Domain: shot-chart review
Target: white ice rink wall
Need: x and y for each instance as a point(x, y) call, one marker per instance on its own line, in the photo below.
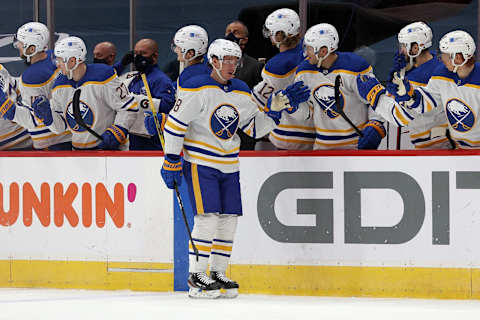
point(372, 223)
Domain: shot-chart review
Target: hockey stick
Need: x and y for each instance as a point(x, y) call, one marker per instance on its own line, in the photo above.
point(449, 137)
point(339, 106)
point(78, 115)
point(162, 141)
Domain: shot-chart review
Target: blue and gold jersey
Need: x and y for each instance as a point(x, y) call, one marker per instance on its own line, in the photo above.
point(37, 80)
point(330, 130)
point(104, 101)
point(205, 119)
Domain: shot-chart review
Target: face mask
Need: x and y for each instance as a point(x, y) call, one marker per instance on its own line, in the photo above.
point(232, 38)
point(142, 63)
point(96, 60)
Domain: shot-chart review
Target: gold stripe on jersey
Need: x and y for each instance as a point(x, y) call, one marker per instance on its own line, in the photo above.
point(14, 143)
point(403, 120)
point(208, 159)
point(171, 125)
point(369, 69)
point(346, 143)
point(61, 86)
point(88, 144)
point(197, 192)
point(442, 78)
point(50, 136)
point(12, 133)
point(53, 76)
point(212, 147)
point(100, 82)
point(286, 75)
point(351, 130)
point(307, 141)
point(430, 143)
point(418, 84)
point(287, 126)
point(213, 87)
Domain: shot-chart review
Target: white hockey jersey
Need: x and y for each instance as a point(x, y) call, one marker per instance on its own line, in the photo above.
point(12, 136)
point(205, 119)
point(294, 132)
point(331, 130)
point(459, 99)
point(37, 80)
point(104, 101)
point(427, 130)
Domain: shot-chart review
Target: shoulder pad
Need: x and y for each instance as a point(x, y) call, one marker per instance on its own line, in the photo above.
point(351, 62)
point(98, 72)
point(240, 85)
point(284, 62)
point(305, 65)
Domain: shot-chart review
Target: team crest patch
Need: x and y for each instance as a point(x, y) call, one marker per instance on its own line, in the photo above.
point(224, 121)
point(87, 116)
point(460, 115)
point(324, 95)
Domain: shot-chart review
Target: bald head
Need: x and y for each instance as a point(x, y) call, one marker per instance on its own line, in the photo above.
point(105, 52)
point(147, 48)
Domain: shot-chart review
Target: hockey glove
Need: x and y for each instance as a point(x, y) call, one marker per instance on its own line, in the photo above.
point(150, 122)
point(287, 99)
point(373, 133)
point(404, 92)
point(7, 108)
point(41, 109)
point(399, 63)
point(113, 137)
point(172, 170)
point(370, 89)
point(127, 58)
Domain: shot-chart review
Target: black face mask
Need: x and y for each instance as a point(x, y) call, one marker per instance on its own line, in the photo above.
point(232, 38)
point(142, 63)
point(96, 60)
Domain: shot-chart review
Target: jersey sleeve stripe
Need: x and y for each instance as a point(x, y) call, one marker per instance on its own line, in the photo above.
point(128, 102)
point(209, 153)
point(62, 86)
point(174, 133)
point(212, 147)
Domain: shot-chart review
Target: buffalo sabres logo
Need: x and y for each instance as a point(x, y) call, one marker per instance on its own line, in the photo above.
point(86, 113)
point(224, 121)
point(460, 116)
point(324, 95)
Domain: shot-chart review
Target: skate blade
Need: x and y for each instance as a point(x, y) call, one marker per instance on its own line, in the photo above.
point(229, 293)
point(196, 293)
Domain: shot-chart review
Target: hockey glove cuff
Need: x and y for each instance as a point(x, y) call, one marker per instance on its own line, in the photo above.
point(7, 109)
point(370, 89)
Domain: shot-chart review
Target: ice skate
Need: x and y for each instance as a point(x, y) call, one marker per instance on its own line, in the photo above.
point(229, 287)
point(202, 287)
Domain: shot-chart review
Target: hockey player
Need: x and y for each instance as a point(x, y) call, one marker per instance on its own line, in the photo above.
point(190, 43)
point(204, 121)
point(452, 87)
point(163, 94)
point(31, 40)
point(12, 136)
point(414, 60)
point(282, 27)
point(319, 72)
point(106, 106)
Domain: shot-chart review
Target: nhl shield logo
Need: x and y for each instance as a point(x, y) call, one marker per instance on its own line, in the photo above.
point(460, 115)
point(324, 95)
point(87, 116)
point(224, 121)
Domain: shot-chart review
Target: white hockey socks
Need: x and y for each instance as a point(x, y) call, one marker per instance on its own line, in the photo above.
point(223, 242)
point(203, 231)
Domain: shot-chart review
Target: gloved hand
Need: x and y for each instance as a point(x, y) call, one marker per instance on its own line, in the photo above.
point(127, 58)
point(370, 89)
point(296, 94)
point(142, 63)
point(150, 122)
point(41, 109)
point(373, 133)
point(172, 170)
point(113, 137)
point(399, 63)
point(7, 106)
